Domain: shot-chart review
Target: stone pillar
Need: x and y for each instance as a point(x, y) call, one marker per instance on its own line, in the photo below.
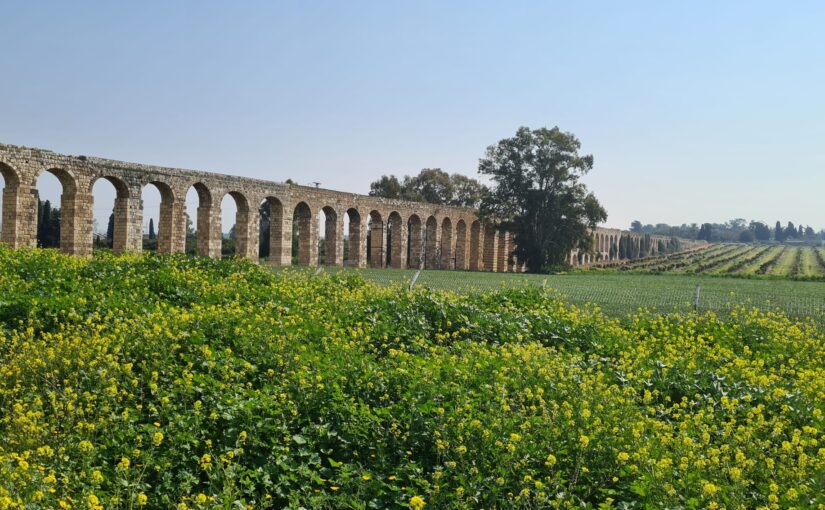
point(307, 240)
point(476, 248)
point(460, 246)
point(172, 227)
point(128, 223)
point(398, 255)
point(76, 224)
point(490, 248)
point(334, 238)
point(280, 237)
point(432, 246)
point(357, 242)
point(27, 204)
point(14, 225)
point(447, 245)
point(247, 225)
point(416, 243)
point(377, 244)
point(209, 231)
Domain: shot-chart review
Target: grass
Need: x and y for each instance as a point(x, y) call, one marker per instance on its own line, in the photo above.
point(623, 293)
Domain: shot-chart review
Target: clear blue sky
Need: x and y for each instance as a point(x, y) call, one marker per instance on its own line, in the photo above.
point(694, 111)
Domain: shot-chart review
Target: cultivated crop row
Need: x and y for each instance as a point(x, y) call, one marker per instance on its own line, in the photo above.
point(798, 262)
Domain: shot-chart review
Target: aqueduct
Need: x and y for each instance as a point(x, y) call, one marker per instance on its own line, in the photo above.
point(401, 234)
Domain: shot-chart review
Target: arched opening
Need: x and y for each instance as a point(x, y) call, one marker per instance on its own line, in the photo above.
point(352, 248)
point(48, 211)
point(271, 231)
point(10, 184)
point(110, 210)
point(460, 245)
point(431, 243)
point(396, 241)
point(415, 242)
point(199, 222)
point(475, 246)
point(375, 240)
point(329, 245)
point(446, 244)
point(235, 240)
point(302, 241)
point(157, 198)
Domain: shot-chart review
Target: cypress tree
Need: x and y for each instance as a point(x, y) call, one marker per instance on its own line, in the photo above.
point(152, 234)
point(43, 220)
point(790, 231)
point(110, 228)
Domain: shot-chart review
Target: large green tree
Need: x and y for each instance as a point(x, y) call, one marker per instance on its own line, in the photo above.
point(388, 186)
point(537, 194)
point(431, 185)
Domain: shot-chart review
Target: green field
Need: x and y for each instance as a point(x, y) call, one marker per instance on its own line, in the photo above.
point(739, 260)
point(621, 293)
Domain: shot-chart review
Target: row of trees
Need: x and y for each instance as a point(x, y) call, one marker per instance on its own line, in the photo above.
point(736, 230)
point(431, 185)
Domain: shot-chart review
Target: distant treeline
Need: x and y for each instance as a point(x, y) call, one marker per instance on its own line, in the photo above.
point(737, 230)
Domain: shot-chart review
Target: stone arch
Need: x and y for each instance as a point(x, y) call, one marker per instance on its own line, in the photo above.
point(246, 244)
point(123, 215)
point(431, 254)
point(70, 217)
point(305, 250)
point(461, 245)
point(375, 241)
point(357, 243)
point(168, 237)
point(415, 242)
point(273, 247)
point(9, 175)
point(396, 241)
point(332, 232)
point(446, 244)
point(476, 264)
point(10, 226)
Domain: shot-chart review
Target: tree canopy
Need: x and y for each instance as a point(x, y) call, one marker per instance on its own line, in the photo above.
point(431, 185)
point(537, 194)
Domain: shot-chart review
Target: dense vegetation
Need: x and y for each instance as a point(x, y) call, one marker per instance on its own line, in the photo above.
point(162, 381)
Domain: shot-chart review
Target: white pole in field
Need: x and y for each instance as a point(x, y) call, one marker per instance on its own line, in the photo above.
point(415, 278)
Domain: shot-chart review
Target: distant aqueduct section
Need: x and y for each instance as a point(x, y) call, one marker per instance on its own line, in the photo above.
point(402, 234)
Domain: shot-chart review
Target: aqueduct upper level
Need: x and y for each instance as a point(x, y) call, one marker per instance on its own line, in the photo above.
point(401, 234)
